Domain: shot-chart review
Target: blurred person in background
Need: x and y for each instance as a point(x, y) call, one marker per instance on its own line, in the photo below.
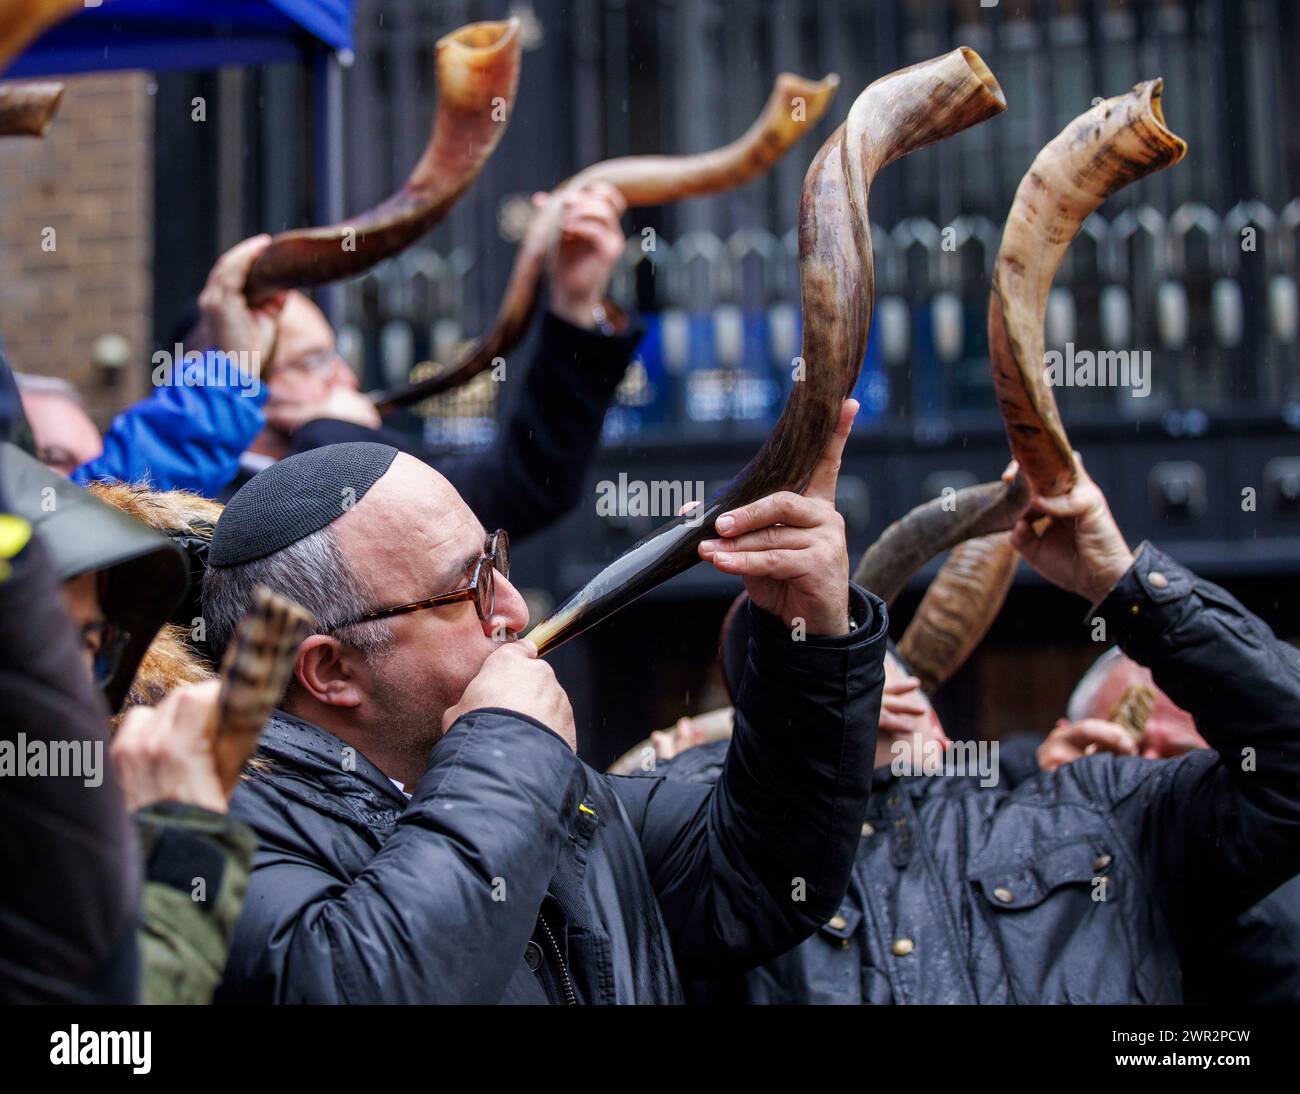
point(184, 435)
point(534, 471)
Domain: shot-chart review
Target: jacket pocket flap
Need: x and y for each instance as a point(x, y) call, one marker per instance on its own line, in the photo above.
point(1022, 885)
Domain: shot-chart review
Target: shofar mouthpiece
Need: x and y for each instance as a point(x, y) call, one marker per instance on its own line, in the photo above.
point(26, 110)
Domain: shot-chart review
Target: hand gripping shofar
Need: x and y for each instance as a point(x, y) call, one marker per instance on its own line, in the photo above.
point(254, 673)
point(793, 109)
point(478, 73)
point(897, 114)
point(1117, 142)
point(26, 110)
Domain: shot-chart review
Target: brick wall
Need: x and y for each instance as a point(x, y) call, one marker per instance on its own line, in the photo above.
point(91, 180)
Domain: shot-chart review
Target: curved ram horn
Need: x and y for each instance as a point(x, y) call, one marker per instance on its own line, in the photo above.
point(794, 107)
point(26, 110)
point(897, 114)
point(958, 608)
point(478, 72)
point(1117, 142)
point(23, 20)
point(934, 527)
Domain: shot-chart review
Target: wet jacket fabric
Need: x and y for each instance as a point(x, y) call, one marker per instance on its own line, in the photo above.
point(1096, 883)
point(183, 437)
point(534, 473)
point(518, 874)
point(196, 874)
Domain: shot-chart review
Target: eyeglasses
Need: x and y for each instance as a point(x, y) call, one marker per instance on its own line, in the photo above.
point(481, 589)
point(106, 642)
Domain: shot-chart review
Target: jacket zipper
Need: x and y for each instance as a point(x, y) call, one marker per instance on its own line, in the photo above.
point(570, 998)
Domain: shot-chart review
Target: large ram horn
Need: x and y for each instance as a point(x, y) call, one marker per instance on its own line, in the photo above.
point(897, 114)
point(794, 107)
point(934, 527)
point(1117, 142)
point(26, 110)
point(958, 608)
point(478, 72)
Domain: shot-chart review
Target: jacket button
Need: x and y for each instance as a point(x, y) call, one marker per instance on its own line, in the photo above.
point(868, 829)
point(1157, 580)
point(1004, 894)
point(901, 947)
point(1101, 862)
point(533, 956)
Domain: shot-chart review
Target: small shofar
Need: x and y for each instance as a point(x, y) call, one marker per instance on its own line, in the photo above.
point(1117, 142)
point(478, 74)
point(794, 107)
point(26, 110)
point(254, 674)
point(897, 114)
point(1134, 709)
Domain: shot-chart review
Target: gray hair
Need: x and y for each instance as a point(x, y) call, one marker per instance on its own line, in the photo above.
point(315, 573)
point(1085, 691)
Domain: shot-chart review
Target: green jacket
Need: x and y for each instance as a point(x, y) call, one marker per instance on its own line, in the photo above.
point(196, 867)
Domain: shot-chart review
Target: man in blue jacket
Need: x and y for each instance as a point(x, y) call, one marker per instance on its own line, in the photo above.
point(202, 414)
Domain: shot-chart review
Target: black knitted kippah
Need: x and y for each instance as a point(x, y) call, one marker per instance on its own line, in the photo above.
point(294, 498)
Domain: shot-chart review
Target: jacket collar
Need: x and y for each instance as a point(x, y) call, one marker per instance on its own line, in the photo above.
point(340, 769)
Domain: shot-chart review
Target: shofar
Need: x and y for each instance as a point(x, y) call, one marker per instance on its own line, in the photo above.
point(26, 110)
point(1117, 142)
point(959, 607)
point(478, 73)
point(23, 20)
point(793, 108)
point(254, 674)
point(934, 527)
point(897, 114)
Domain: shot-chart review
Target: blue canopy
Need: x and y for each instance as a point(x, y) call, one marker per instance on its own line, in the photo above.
point(171, 34)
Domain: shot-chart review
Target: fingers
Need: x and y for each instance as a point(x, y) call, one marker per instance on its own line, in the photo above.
point(599, 194)
point(778, 565)
point(1102, 735)
point(783, 507)
point(826, 471)
point(231, 269)
point(899, 704)
point(897, 687)
point(775, 537)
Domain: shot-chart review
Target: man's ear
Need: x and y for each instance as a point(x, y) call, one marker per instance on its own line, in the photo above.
point(325, 669)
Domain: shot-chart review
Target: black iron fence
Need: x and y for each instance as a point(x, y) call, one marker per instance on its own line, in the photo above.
point(1193, 271)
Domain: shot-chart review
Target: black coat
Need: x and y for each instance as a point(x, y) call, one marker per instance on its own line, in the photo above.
point(518, 874)
point(1095, 883)
point(534, 472)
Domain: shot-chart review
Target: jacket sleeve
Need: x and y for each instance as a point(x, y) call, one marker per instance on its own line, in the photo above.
point(443, 911)
point(184, 436)
point(196, 875)
point(1218, 829)
point(749, 868)
point(67, 848)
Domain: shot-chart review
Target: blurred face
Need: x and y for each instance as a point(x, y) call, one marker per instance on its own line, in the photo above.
point(1170, 730)
point(412, 537)
point(81, 596)
point(65, 436)
point(307, 364)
